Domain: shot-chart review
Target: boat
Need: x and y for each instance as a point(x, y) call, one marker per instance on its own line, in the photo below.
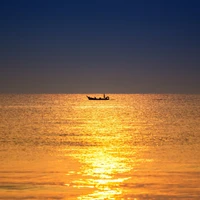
point(100, 98)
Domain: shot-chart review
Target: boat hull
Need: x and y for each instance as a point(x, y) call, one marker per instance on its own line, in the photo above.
point(94, 98)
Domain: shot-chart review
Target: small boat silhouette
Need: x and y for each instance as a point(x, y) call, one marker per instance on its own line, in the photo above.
point(100, 98)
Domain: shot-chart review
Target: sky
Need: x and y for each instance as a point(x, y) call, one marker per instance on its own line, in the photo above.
point(99, 46)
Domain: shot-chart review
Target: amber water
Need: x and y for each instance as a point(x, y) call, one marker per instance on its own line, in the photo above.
point(130, 147)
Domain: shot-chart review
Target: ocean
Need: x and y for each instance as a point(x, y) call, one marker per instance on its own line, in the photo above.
point(134, 146)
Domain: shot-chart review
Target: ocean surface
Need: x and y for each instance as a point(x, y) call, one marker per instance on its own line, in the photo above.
point(130, 147)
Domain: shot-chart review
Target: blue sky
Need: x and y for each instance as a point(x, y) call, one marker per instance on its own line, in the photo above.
point(100, 46)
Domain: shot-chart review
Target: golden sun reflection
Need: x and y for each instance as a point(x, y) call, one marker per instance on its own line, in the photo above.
point(104, 154)
point(101, 171)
